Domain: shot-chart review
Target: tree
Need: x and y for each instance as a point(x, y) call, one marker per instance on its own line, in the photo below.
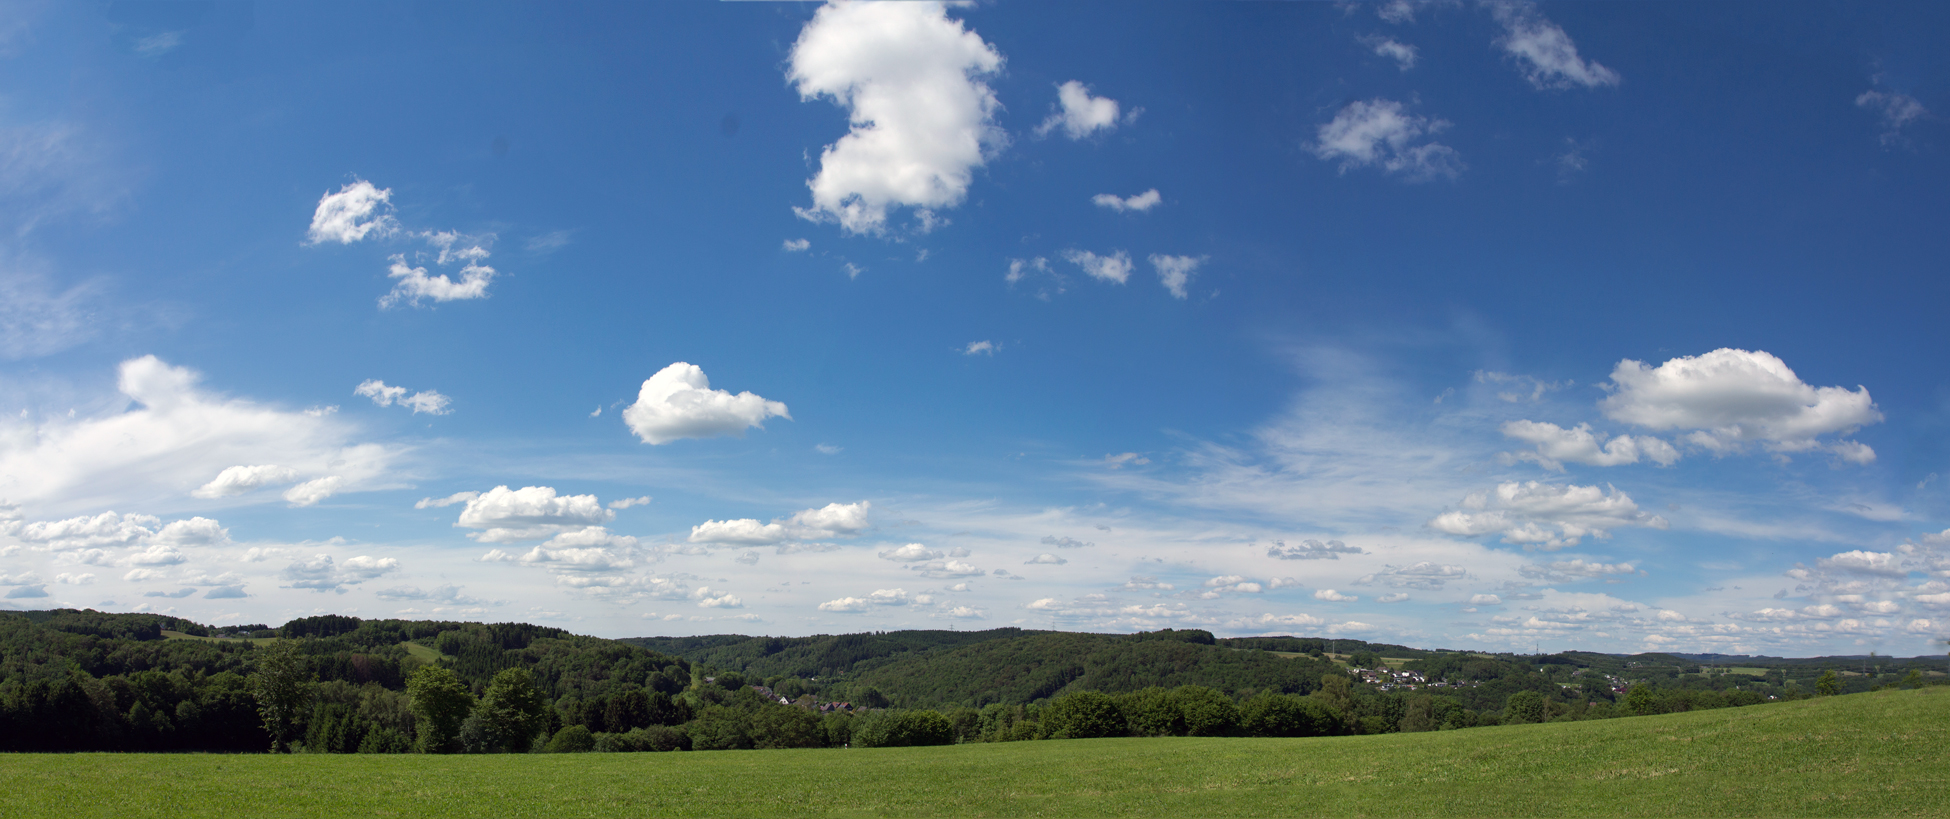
point(1286, 715)
point(1364, 659)
point(1640, 700)
point(511, 712)
point(1828, 684)
point(783, 726)
point(283, 690)
point(1084, 715)
point(1524, 707)
point(1208, 713)
point(441, 703)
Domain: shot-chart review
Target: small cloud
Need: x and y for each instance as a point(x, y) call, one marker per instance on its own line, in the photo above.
point(1125, 204)
point(1115, 267)
point(435, 503)
point(1045, 559)
point(1485, 600)
point(853, 271)
point(427, 401)
point(1393, 597)
point(1403, 55)
point(795, 245)
point(749, 558)
point(1119, 461)
point(549, 242)
point(1065, 542)
point(1079, 114)
point(827, 449)
point(1175, 272)
point(629, 502)
point(597, 412)
point(987, 348)
point(156, 45)
point(1332, 596)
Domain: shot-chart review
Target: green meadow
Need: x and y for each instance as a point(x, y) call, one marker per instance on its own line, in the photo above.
point(1878, 754)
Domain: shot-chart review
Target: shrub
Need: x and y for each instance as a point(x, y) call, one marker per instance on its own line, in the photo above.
point(1084, 715)
point(573, 739)
point(900, 729)
point(1208, 713)
point(1285, 715)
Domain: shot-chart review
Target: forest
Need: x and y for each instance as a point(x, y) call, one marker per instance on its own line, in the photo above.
point(85, 680)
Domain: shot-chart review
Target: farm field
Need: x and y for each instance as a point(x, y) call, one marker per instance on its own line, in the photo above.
point(1877, 754)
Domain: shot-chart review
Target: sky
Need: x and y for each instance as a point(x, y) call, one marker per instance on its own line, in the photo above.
point(1492, 325)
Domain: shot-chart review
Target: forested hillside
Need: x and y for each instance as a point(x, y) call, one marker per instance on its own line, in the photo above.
point(86, 680)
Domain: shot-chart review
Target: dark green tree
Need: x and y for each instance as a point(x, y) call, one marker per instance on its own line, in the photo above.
point(1524, 707)
point(282, 687)
point(573, 739)
point(1208, 713)
point(441, 704)
point(783, 726)
point(1640, 700)
point(511, 712)
point(1084, 715)
point(1828, 684)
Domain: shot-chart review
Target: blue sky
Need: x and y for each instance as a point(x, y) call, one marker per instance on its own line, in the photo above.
point(1571, 325)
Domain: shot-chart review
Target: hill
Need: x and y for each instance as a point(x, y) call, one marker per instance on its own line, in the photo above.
point(1878, 754)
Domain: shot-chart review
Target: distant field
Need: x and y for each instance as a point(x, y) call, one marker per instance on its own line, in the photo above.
point(177, 635)
point(1880, 754)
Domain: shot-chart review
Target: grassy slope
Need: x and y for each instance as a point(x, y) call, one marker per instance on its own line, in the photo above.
point(1886, 753)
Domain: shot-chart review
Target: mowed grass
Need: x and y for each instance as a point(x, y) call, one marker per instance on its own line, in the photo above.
point(1879, 754)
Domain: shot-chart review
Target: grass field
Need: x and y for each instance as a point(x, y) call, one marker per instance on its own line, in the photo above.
point(1879, 754)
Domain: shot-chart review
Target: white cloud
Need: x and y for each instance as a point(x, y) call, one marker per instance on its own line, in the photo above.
point(37, 319)
point(1332, 596)
point(795, 245)
point(1019, 268)
point(1175, 272)
point(911, 553)
point(321, 573)
point(428, 401)
point(314, 490)
point(457, 497)
point(1426, 575)
point(170, 445)
point(1734, 396)
point(1396, 11)
point(1578, 444)
point(158, 554)
point(1113, 268)
point(708, 600)
point(1311, 550)
point(82, 579)
point(1079, 114)
point(845, 605)
point(979, 348)
point(237, 480)
point(831, 520)
point(1403, 55)
point(828, 449)
point(529, 513)
point(678, 402)
point(922, 119)
point(1545, 516)
point(1138, 202)
point(1485, 600)
point(1545, 53)
point(414, 284)
point(1147, 583)
point(626, 503)
point(1045, 559)
point(1393, 597)
point(347, 216)
point(951, 568)
point(1065, 542)
point(196, 531)
point(1896, 111)
point(1123, 459)
point(1286, 583)
point(1576, 569)
point(1379, 132)
point(106, 529)
point(1864, 562)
